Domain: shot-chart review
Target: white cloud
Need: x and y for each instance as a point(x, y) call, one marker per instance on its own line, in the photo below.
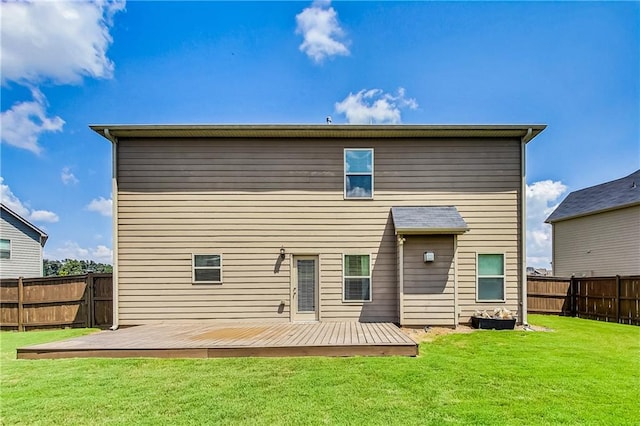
point(25, 121)
point(321, 31)
point(73, 250)
point(542, 199)
point(101, 205)
point(68, 178)
point(10, 200)
point(43, 216)
point(374, 106)
point(61, 41)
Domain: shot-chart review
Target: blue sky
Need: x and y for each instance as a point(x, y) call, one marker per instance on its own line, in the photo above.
point(574, 66)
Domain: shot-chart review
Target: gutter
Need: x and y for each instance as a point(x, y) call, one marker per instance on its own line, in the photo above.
point(523, 226)
point(114, 215)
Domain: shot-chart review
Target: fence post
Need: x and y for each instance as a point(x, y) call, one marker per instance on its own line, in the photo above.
point(20, 304)
point(91, 320)
point(618, 283)
point(574, 297)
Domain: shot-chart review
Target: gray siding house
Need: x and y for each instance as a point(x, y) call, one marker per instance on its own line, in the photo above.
point(21, 245)
point(418, 225)
point(596, 230)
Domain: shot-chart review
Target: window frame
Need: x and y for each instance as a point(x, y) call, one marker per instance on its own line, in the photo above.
point(503, 276)
point(194, 267)
point(9, 241)
point(345, 173)
point(344, 287)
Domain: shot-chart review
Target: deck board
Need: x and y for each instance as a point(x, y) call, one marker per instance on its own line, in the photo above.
point(202, 340)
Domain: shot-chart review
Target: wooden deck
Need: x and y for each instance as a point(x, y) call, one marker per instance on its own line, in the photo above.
point(211, 340)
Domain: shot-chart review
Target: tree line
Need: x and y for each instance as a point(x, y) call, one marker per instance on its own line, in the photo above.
point(67, 267)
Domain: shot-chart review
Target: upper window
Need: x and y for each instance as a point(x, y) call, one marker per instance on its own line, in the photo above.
point(358, 173)
point(5, 249)
point(207, 268)
point(490, 278)
point(357, 277)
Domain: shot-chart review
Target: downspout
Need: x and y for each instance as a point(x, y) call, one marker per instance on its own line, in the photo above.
point(523, 226)
point(400, 242)
point(456, 301)
point(114, 215)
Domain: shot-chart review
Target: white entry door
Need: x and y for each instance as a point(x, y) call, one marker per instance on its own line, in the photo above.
point(304, 288)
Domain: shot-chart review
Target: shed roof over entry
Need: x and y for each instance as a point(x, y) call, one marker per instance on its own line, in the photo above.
point(428, 220)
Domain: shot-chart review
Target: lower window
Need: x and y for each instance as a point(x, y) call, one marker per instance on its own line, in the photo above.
point(5, 249)
point(207, 268)
point(356, 270)
point(490, 283)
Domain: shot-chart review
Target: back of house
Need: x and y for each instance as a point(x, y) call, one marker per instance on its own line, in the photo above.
point(419, 225)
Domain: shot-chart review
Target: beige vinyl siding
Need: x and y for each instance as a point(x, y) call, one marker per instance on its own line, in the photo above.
point(26, 251)
point(602, 244)
point(245, 199)
point(429, 287)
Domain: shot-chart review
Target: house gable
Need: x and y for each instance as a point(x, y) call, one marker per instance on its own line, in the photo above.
point(24, 242)
point(611, 195)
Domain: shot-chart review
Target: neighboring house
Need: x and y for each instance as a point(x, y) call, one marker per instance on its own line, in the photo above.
point(596, 231)
point(538, 272)
point(21, 246)
point(419, 225)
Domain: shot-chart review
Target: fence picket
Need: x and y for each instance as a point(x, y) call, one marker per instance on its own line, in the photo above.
point(600, 298)
point(28, 303)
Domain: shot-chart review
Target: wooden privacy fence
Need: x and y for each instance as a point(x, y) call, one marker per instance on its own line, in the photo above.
point(55, 302)
point(612, 299)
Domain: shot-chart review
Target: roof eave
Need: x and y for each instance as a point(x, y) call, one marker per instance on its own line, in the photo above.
point(43, 235)
point(520, 131)
point(431, 231)
point(591, 213)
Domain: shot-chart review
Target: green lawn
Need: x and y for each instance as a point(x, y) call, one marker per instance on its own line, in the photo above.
point(584, 372)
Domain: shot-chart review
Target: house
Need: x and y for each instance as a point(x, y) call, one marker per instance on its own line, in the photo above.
point(21, 245)
point(538, 272)
point(415, 224)
point(596, 230)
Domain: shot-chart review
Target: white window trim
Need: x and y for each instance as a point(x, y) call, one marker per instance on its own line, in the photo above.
point(193, 268)
point(344, 173)
point(503, 276)
point(344, 299)
point(10, 248)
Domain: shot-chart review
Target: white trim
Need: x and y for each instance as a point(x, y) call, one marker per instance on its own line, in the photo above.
point(503, 276)
point(344, 300)
point(193, 268)
point(344, 173)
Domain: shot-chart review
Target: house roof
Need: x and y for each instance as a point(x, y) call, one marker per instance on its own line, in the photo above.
point(428, 220)
point(524, 132)
point(43, 235)
point(612, 195)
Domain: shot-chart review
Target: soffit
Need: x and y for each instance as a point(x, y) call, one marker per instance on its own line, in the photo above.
point(317, 131)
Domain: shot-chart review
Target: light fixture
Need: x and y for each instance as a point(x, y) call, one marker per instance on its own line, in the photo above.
point(282, 253)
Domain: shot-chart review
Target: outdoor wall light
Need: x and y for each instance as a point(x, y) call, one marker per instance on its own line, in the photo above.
point(282, 253)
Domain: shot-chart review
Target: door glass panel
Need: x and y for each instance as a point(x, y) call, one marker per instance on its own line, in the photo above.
point(306, 285)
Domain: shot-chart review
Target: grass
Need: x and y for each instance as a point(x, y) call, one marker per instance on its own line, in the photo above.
point(584, 372)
